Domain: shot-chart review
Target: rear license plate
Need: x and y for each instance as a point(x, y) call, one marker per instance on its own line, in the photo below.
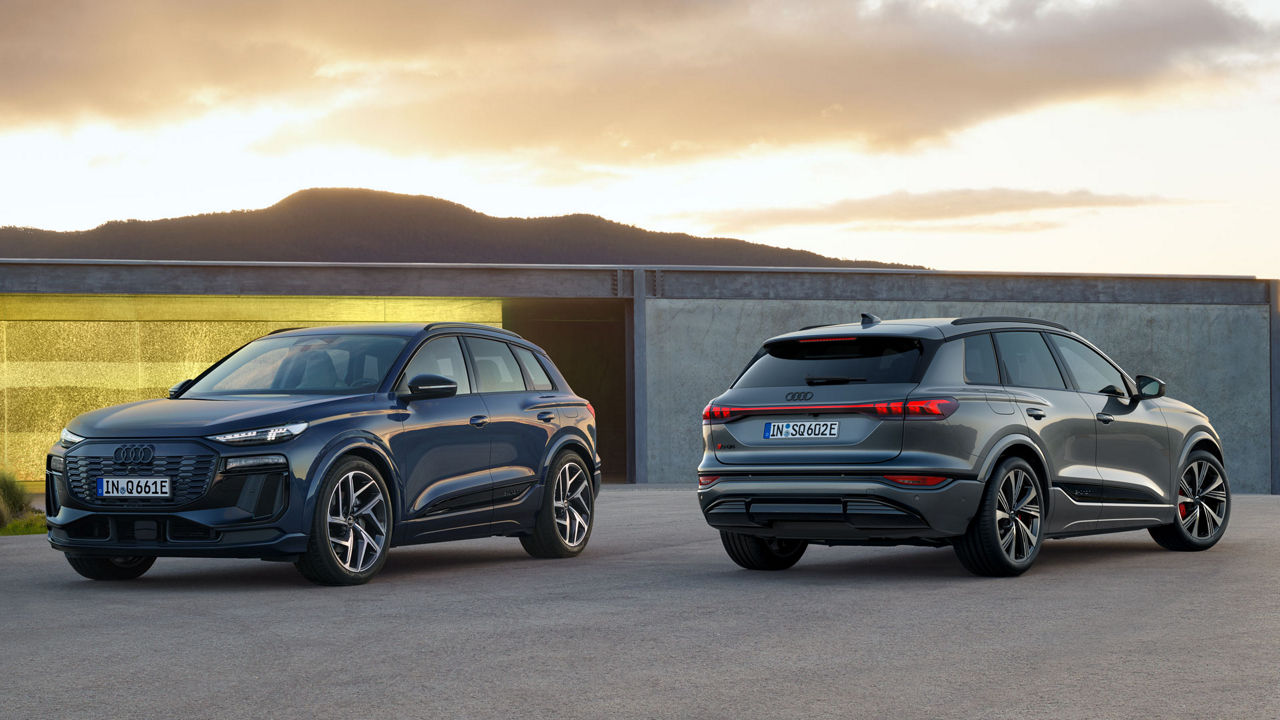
point(133, 487)
point(777, 430)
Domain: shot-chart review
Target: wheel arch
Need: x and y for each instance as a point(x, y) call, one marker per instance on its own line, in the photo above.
point(360, 447)
point(1023, 447)
point(1201, 440)
point(568, 441)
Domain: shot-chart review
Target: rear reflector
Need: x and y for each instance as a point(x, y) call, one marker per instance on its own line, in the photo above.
point(923, 409)
point(916, 480)
point(705, 480)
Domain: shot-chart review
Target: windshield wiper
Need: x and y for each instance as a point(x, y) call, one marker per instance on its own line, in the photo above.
point(832, 380)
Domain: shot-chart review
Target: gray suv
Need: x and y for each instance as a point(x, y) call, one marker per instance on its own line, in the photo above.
point(988, 434)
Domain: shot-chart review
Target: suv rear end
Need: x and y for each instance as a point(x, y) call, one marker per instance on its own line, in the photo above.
point(845, 434)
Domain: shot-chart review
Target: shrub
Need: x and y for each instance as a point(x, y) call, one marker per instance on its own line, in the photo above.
point(13, 499)
point(32, 524)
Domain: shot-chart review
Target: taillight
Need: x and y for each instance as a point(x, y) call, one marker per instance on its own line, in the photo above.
point(705, 480)
point(922, 409)
point(591, 409)
point(931, 409)
point(916, 480)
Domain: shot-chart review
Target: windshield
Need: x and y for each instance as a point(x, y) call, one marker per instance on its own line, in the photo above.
point(843, 361)
point(306, 364)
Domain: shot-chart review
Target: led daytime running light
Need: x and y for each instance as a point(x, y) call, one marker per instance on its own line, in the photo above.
point(261, 436)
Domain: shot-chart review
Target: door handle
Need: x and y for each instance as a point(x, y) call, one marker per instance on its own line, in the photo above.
point(546, 416)
point(1105, 419)
point(1036, 413)
point(480, 420)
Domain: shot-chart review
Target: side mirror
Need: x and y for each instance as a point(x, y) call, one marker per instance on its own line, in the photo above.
point(176, 391)
point(423, 387)
point(1149, 387)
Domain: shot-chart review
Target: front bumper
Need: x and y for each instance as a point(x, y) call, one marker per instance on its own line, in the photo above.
point(839, 509)
point(211, 512)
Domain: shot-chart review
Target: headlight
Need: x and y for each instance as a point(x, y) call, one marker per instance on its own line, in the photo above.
point(262, 436)
point(69, 438)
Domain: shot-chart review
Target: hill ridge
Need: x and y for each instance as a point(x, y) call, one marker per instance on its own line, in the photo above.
point(362, 225)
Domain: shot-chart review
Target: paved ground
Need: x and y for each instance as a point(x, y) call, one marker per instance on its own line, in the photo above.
point(654, 621)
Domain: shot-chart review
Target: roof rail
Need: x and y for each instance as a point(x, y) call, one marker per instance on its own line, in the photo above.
point(1007, 319)
point(810, 327)
point(472, 326)
point(280, 330)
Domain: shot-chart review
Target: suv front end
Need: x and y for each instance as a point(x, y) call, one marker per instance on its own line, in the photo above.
point(209, 499)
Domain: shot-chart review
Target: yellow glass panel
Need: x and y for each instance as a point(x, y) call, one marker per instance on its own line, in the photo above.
point(62, 355)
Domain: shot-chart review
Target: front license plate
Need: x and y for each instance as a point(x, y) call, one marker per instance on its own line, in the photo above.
point(133, 487)
point(776, 430)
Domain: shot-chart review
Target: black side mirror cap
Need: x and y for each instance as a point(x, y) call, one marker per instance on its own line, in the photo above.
point(1149, 387)
point(427, 386)
point(176, 391)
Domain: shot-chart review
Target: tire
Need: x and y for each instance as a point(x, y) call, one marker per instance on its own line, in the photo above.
point(111, 568)
point(1204, 506)
point(1005, 536)
point(757, 553)
point(344, 532)
point(567, 516)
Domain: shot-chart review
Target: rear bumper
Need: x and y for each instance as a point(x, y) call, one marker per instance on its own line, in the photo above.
point(839, 509)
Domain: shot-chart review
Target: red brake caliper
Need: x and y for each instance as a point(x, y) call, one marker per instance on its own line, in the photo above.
point(1182, 510)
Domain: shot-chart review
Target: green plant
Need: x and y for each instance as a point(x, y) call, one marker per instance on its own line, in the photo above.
point(32, 524)
point(13, 499)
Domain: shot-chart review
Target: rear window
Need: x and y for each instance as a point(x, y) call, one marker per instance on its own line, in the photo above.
point(844, 361)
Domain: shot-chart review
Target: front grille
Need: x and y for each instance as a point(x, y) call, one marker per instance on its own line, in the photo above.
point(189, 478)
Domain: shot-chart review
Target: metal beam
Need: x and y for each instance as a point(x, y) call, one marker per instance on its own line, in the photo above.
point(1275, 387)
point(638, 385)
point(601, 281)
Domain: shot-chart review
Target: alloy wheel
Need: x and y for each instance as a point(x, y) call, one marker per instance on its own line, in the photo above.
point(1202, 500)
point(571, 504)
point(357, 521)
point(1018, 515)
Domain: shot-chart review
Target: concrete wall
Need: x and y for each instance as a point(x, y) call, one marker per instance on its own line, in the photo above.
point(1216, 357)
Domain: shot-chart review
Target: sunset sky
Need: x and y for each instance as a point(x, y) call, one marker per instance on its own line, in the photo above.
point(1122, 136)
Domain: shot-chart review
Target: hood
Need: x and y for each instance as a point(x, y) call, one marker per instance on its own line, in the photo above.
point(191, 417)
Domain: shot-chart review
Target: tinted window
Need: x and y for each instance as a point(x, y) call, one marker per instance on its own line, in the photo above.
point(1028, 361)
point(533, 368)
point(1091, 371)
point(980, 366)
point(858, 360)
point(312, 364)
point(495, 366)
point(442, 356)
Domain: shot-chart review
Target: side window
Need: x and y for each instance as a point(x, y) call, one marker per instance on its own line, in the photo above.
point(495, 366)
point(1028, 361)
point(1091, 371)
point(980, 366)
point(442, 356)
point(533, 368)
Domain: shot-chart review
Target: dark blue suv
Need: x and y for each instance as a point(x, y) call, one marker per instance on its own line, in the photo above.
point(328, 446)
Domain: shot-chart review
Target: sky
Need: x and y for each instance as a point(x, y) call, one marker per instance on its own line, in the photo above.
point(1115, 136)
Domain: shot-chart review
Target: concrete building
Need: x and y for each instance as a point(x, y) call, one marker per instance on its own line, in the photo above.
point(648, 345)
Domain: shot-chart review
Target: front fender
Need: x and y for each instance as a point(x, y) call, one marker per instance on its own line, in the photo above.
point(1190, 441)
point(342, 445)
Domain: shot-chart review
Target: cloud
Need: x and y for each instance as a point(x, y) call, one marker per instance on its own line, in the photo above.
point(921, 211)
point(632, 81)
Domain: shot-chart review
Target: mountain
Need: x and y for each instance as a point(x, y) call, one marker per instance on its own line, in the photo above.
point(348, 225)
